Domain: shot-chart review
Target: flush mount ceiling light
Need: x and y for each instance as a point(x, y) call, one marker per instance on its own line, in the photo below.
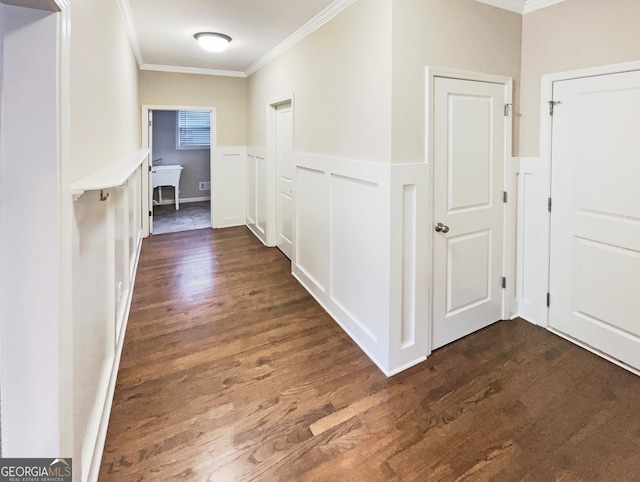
point(213, 42)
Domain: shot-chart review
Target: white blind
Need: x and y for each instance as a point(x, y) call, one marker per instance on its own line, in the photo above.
point(194, 129)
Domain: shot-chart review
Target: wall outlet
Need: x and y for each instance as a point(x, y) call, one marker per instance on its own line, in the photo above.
point(205, 186)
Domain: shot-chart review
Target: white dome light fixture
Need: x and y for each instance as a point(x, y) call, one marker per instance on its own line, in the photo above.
point(213, 42)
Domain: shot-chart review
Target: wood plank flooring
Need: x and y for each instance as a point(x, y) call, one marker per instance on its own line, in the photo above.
point(232, 372)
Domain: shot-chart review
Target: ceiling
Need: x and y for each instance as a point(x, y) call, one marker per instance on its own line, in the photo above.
point(161, 31)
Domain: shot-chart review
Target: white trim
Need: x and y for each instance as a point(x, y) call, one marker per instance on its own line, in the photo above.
point(130, 27)
point(521, 6)
point(512, 5)
point(191, 70)
point(96, 459)
point(601, 354)
point(166, 202)
point(144, 126)
point(533, 5)
point(316, 22)
point(112, 175)
point(546, 94)
point(507, 262)
point(271, 163)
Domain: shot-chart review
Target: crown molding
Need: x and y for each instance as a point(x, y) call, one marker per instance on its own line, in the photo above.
point(533, 5)
point(521, 6)
point(513, 5)
point(316, 22)
point(191, 70)
point(130, 28)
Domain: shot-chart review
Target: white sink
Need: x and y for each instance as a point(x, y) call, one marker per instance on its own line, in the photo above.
point(168, 175)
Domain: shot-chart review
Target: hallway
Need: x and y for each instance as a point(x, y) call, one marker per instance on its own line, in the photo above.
point(231, 371)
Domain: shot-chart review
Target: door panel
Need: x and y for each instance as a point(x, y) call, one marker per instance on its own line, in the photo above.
point(469, 158)
point(284, 155)
point(595, 220)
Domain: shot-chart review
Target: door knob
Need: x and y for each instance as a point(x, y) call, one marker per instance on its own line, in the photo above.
point(441, 228)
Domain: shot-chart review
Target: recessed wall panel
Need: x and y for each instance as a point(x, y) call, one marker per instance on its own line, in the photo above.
point(312, 225)
point(356, 283)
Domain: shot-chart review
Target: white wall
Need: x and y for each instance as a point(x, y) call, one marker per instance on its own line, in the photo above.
point(360, 250)
point(106, 240)
point(32, 381)
point(257, 205)
point(571, 35)
point(229, 187)
point(341, 77)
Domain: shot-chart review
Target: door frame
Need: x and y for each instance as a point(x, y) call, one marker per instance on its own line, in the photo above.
point(509, 234)
point(546, 134)
point(272, 169)
point(144, 127)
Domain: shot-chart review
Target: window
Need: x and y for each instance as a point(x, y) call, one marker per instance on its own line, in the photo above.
point(194, 129)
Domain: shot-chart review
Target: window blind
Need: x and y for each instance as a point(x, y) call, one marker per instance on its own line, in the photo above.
point(194, 129)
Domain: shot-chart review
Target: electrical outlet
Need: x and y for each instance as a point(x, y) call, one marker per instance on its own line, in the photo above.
point(205, 186)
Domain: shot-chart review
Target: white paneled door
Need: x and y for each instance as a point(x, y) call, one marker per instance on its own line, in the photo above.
point(284, 156)
point(595, 218)
point(468, 210)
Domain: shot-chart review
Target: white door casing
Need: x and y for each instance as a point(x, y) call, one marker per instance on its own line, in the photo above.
point(149, 173)
point(594, 251)
point(147, 142)
point(470, 140)
point(284, 166)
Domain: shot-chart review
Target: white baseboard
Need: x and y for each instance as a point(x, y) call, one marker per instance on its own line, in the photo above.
point(96, 459)
point(182, 200)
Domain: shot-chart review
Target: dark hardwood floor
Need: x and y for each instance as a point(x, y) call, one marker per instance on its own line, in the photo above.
point(232, 372)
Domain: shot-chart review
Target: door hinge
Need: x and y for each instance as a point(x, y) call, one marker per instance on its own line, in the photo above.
point(149, 168)
point(549, 204)
point(150, 213)
point(504, 196)
point(504, 282)
point(150, 123)
point(552, 104)
point(506, 109)
point(548, 299)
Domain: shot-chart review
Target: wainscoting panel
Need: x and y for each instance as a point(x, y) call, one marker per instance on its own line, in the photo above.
point(107, 236)
point(409, 268)
point(531, 258)
point(257, 193)
point(360, 250)
point(312, 228)
point(228, 187)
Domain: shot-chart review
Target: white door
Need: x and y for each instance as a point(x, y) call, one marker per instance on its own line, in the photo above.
point(284, 161)
point(595, 217)
point(468, 208)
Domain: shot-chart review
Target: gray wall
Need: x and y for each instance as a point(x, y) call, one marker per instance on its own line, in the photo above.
point(195, 162)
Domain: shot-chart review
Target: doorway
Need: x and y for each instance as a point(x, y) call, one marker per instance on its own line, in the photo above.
point(280, 196)
point(470, 140)
point(594, 247)
point(284, 162)
point(180, 140)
